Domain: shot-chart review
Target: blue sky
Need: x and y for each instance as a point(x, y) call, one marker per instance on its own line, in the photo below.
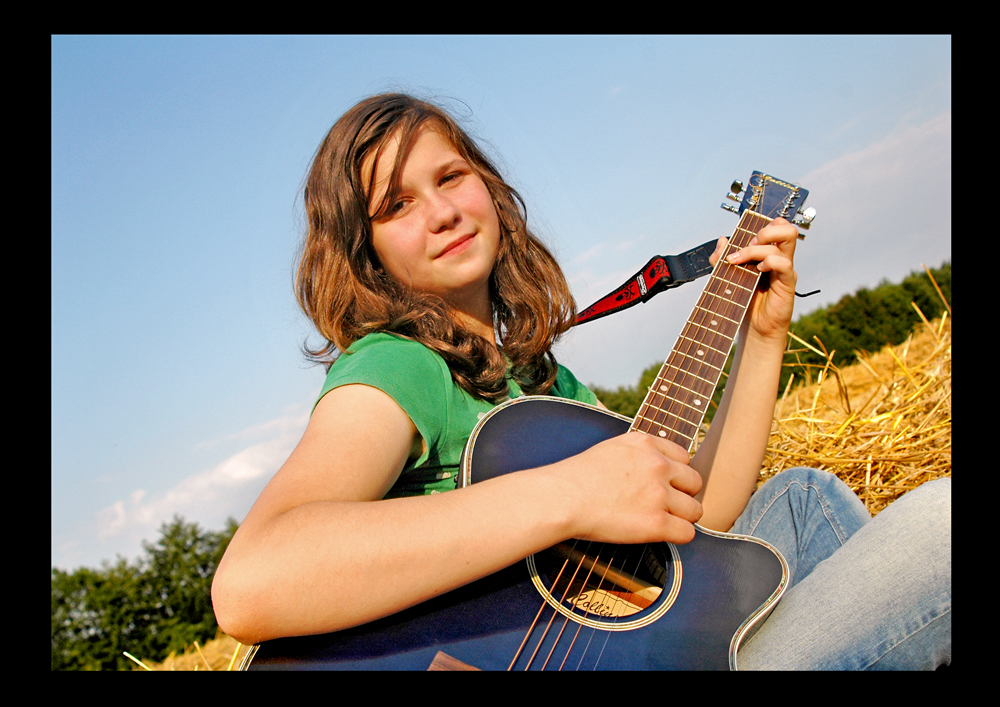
point(178, 383)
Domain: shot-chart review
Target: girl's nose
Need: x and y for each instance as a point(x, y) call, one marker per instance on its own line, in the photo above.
point(442, 213)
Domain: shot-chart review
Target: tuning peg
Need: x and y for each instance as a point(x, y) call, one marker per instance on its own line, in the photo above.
point(730, 207)
point(734, 191)
point(804, 218)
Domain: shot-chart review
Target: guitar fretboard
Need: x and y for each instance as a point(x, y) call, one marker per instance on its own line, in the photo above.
point(679, 397)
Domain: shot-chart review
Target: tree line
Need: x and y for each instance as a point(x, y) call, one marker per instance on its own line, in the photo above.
point(867, 320)
point(158, 604)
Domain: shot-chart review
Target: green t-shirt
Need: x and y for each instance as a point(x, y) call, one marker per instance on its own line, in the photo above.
point(419, 381)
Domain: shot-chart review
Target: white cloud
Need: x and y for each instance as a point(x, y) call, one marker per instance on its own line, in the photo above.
point(882, 212)
point(208, 497)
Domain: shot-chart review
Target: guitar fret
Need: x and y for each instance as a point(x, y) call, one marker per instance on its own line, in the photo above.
point(719, 340)
point(670, 389)
point(705, 345)
point(685, 413)
point(717, 314)
point(722, 301)
point(663, 430)
point(661, 380)
point(698, 409)
point(746, 287)
point(748, 232)
point(716, 299)
point(683, 357)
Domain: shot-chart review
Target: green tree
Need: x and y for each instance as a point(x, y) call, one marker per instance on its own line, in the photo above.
point(870, 319)
point(160, 604)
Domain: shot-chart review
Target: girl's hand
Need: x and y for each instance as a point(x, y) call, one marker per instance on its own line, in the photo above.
point(630, 489)
point(773, 249)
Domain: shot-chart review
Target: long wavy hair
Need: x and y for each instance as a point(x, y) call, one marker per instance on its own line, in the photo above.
point(347, 295)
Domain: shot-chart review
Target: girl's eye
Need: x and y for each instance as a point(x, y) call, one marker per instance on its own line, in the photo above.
point(450, 177)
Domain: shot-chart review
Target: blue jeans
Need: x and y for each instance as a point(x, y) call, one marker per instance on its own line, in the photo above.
point(865, 594)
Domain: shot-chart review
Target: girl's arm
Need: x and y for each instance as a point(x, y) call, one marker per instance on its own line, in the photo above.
point(319, 552)
point(730, 457)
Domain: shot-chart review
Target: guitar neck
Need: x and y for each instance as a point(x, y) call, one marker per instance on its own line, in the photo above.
point(679, 397)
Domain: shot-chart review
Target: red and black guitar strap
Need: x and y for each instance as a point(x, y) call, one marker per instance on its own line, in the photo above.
point(661, 273)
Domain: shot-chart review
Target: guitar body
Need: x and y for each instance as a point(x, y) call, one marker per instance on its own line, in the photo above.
point(717, 589)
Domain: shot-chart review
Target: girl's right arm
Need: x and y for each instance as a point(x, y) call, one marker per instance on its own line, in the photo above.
point(320, 552)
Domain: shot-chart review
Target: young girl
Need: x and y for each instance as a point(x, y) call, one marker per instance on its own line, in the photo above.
point(437, 303)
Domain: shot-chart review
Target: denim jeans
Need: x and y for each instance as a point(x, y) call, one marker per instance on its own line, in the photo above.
point(864, 594)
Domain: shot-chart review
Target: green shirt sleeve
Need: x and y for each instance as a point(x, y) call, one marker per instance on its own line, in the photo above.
point(406, 371)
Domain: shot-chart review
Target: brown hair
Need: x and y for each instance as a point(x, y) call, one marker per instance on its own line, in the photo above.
point(342, 289)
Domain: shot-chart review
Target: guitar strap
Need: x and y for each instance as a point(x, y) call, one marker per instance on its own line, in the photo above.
point(662, 272)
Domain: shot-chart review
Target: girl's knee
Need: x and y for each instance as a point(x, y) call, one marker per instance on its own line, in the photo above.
point(808, 478)
point(927, 506)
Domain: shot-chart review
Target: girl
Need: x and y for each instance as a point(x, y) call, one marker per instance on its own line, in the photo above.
point(420, 267)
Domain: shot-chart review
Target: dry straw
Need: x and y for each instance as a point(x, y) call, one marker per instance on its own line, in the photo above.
point(223, 653)
point(883, 424)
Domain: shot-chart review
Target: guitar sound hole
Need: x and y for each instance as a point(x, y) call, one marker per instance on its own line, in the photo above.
point(596, 581)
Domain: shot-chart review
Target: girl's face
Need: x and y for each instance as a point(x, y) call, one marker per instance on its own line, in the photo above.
point(442, 233)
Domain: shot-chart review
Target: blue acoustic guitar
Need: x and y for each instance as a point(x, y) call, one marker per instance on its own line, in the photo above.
point(583, 605)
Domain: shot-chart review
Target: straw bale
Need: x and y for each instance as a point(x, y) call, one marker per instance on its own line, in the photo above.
point(883, 424)
point(222, 653)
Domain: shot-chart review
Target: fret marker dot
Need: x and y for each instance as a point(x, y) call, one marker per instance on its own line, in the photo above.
point(700, 352)
point(697, 402)
point(715, 323)
point(662, 433)
point(729, 292)
point(663, 388)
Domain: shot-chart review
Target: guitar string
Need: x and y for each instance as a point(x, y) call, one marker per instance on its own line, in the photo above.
point(588, 609)
point(616, 618)
point(593, 630)
point(565, 623)
point(561, 599)
point(616, 604)
point(531, 628)
point(664, 377)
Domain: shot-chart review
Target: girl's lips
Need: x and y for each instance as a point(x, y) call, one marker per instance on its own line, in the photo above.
point(456, 246)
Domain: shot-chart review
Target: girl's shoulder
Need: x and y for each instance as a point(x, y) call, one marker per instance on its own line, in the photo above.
point(388, 362)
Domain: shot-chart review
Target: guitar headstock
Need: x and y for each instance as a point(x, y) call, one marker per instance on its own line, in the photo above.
point(772, 198)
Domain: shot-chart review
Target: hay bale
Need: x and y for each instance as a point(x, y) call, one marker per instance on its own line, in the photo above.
point(883, 424)
point(222, 653)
